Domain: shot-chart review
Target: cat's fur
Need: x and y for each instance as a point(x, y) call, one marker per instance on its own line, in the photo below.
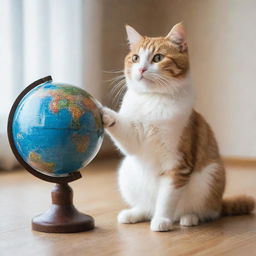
point(172, 170)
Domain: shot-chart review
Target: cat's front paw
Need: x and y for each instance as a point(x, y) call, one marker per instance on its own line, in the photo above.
point(108, 117)
point(130, 216)
point(161, 224)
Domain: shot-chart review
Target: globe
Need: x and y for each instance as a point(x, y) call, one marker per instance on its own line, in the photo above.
point(57, 128)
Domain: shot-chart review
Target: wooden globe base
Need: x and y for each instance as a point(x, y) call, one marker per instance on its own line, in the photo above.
point(62, 216)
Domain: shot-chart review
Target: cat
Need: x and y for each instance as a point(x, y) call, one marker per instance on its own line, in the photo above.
point(172, 170)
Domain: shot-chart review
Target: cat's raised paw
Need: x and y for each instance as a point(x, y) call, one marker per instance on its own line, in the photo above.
point(161, 224)
point(130, 216)
point(108, 117)
point(189, 220)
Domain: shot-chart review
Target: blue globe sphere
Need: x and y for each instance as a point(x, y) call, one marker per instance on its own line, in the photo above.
point(57, 128)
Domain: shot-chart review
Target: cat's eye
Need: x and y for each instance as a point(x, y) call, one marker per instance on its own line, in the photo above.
point(157, 58)
point(135, 58)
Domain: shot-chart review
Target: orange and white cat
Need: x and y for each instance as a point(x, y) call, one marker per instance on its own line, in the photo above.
point(172, 170)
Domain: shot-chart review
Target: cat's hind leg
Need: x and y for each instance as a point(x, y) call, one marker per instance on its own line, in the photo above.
point(201, 199)
point(133, 215)
point(189, 220)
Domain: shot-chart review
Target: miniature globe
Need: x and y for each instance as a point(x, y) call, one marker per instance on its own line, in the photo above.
point(57, 128)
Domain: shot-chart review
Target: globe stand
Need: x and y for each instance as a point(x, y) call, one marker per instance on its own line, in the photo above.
point(62, 216)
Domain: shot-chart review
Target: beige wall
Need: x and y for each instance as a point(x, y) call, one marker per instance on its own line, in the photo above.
point(222, 43)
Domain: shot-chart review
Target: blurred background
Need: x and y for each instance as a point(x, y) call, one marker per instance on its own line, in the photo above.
point(83, 42)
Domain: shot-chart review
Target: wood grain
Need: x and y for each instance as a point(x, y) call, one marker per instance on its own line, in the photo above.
point(22, 196)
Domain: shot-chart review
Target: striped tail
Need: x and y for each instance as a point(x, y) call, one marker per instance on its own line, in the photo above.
point(237, 205)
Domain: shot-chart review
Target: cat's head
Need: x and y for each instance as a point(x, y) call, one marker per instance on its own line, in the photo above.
point(157, 64)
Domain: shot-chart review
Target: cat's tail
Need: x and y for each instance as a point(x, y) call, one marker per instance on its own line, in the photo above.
point(237, 205)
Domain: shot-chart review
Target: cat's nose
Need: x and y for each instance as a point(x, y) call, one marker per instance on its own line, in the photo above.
point(142, 70)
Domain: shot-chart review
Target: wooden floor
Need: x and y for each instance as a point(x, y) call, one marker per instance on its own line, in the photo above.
point(22, 196)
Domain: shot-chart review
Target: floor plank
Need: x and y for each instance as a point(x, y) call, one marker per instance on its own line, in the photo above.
point(23, 196)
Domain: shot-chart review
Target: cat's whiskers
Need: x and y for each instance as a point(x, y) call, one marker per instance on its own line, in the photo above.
point(115, 79)
point(114, 71)
point(118, 88)
point(118, 95)
point(163, 81)
point(157, 78)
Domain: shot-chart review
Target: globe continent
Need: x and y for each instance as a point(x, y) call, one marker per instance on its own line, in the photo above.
point(57, 128)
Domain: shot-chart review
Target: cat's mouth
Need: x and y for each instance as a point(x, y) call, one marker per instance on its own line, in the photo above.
point(143, 77)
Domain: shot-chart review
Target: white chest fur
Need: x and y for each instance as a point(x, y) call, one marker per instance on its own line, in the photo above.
point(158, 121)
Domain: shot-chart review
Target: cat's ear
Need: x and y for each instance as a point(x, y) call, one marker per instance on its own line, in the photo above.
point(132, 35)
point(178, 36)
